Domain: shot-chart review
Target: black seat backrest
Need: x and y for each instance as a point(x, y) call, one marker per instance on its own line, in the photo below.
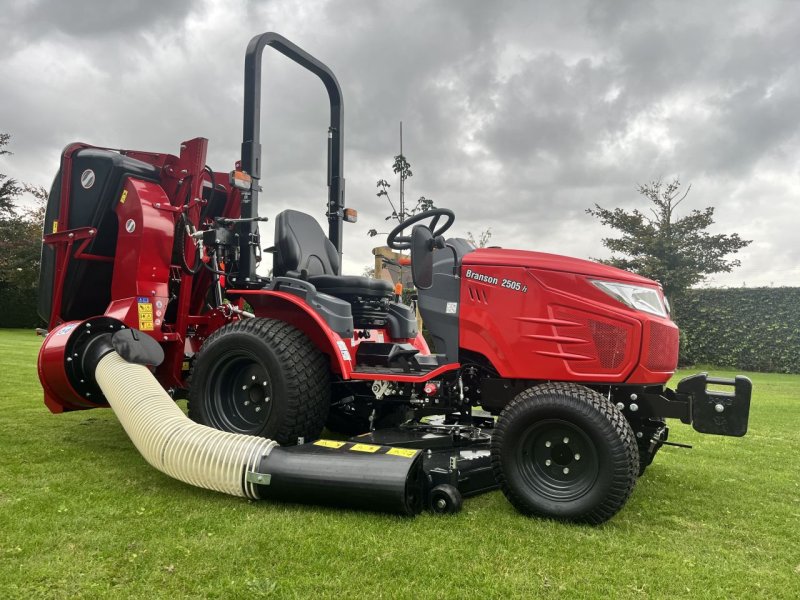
point(300, 244)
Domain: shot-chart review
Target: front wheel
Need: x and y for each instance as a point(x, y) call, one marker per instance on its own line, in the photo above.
point(563, 451)
point(261, 377)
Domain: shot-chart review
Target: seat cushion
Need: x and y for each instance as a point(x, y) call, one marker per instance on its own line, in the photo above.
point(350, 285)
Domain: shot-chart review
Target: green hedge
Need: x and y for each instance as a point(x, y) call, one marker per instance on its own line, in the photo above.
point(18, 308)
point(754, 329)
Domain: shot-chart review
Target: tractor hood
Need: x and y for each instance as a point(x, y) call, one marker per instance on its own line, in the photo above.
point(550, 262)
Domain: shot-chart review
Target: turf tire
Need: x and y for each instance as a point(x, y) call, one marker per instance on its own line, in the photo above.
point(288, 379)
point(531, 431)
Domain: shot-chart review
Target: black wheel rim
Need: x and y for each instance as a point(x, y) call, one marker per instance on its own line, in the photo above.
point(240, 393)
point(557, 460)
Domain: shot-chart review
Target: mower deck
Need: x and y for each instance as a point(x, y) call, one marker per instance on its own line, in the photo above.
point(453, 454)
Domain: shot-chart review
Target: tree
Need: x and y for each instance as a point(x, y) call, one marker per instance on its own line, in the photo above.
point(402, 168)
point(9, 189)
point(678, 252)
point(483, 238)
point(403, 212)
point(20, 248)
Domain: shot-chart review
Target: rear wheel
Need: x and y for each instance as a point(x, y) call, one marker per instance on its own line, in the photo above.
point(563, 451)
point(261, 377)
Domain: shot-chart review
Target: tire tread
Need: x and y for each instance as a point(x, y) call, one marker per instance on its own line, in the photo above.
point(625, 455)
point(306, 370)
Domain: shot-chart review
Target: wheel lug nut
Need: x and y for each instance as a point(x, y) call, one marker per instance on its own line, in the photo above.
point(264, 383)
point(565, 470)
point(547, 444)
point(247, 402)
point(548, 462)
point(577, 457)
point(266, 399)
point(253, 378)
point(258, 409)
point(244, 387)
point(566, 440)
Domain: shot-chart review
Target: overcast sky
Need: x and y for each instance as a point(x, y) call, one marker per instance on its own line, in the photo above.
point(517, 115)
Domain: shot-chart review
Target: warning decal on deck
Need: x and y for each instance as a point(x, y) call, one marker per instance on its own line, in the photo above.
point(329, 443)
point(365, 448)
point(145, 313)
point(404, 452)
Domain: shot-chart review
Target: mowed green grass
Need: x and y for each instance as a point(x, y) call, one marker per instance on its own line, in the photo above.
point(83, 516)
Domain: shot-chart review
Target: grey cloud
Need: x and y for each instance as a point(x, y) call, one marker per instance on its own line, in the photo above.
point(518, 114)
point(96, 18)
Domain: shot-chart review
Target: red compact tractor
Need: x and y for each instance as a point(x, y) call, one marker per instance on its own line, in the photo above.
point(546, 379)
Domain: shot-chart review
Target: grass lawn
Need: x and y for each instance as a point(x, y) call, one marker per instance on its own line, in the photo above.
point(83, 516)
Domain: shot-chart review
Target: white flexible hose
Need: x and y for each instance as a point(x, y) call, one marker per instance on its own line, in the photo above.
point(170, 441)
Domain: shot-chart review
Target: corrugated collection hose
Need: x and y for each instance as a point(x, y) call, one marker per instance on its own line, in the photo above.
point(173, 444)
point(348, 474)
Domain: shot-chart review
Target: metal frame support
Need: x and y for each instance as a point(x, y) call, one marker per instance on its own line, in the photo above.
point(251, 142)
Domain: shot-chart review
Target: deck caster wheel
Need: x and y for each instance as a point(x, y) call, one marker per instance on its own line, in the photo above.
point(445, 499)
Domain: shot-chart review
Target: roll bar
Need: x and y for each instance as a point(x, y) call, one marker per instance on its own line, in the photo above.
point(251, 142)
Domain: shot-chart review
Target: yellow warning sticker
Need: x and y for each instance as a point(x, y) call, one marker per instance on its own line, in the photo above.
point(404, 452)
point(55, 226)
point(123, 197)
point(329, 443)
point(145, 316)
point(365, 448)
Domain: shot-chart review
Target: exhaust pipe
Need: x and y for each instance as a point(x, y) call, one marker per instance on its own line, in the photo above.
point(326, 472)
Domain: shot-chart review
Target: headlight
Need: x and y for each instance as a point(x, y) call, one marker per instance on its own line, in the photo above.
point(637, 297)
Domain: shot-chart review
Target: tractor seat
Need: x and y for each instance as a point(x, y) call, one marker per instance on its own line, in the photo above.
point(337, 285)
point(301, 245)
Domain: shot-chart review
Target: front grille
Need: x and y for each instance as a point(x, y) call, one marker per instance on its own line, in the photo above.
point(609, 341)
point(662, 351)
point(590, 344)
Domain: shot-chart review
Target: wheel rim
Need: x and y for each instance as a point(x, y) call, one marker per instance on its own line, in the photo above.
point(240, 394)
point(557, 460)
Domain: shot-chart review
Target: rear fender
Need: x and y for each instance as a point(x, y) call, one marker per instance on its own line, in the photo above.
point(291, 309)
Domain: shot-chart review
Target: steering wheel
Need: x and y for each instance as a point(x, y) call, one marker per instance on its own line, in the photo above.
point(395, 241)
